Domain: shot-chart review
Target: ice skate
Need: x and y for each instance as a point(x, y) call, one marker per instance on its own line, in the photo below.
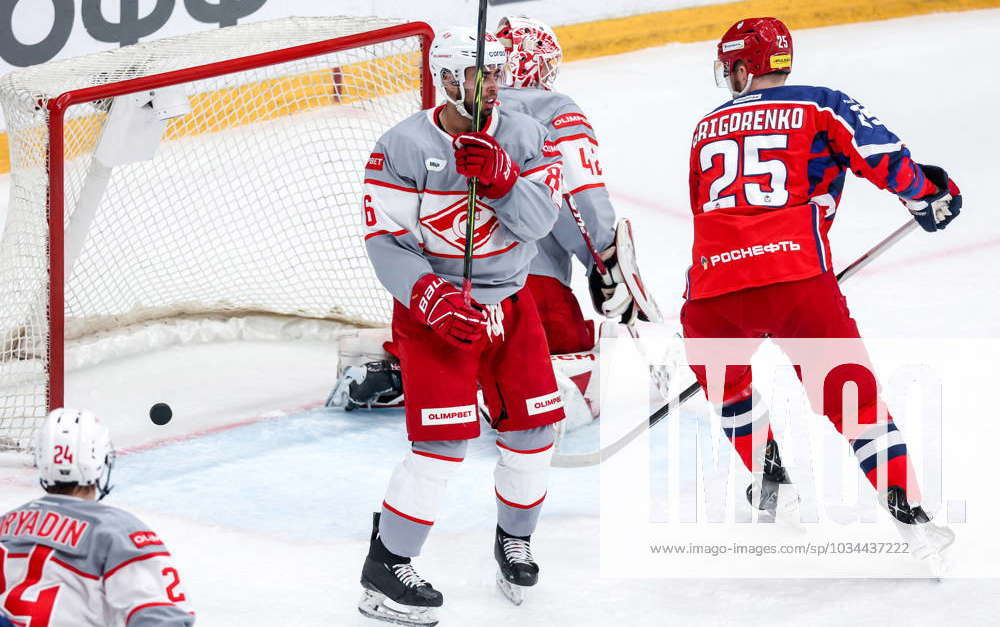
point(517, 568)
point(772, 490)
point(927, 541)
point(393, 591)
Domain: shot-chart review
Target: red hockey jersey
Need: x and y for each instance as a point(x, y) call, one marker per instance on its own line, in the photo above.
point(767, 173)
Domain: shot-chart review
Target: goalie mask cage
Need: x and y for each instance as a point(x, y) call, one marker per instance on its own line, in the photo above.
point(252, 202)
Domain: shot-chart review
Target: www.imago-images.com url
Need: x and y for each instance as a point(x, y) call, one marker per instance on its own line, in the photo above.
point(760, 550)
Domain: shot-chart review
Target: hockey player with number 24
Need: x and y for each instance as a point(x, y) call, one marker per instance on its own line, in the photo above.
point(67, 560)
point(767, 174)
point(416, 184)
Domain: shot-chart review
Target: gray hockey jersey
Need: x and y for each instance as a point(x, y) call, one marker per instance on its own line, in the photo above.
point(415, 207)
point(570, 131)
point(69, 562)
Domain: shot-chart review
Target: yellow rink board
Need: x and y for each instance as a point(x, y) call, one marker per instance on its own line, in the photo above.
point(270, 99)
point(704, 23)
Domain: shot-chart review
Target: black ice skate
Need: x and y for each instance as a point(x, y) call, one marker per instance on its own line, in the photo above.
point(394, 592)
point(927, 541)
point(772, 490)
point(375, 384)
point(517, 568)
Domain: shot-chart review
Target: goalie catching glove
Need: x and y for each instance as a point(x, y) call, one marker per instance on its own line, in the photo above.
point(438, 304)
point(935, 211)
point(479, 155)
point(621, 292)
point(608, 291)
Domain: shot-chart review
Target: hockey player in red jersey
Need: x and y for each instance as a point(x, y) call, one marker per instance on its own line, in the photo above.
point(766, 176)
point(415, 201)
point(69, 560)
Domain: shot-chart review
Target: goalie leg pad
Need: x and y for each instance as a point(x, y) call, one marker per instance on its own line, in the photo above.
point(521, 477)
point(362, 346)
point(376, 384)
point(576, 377)
point(414, 494)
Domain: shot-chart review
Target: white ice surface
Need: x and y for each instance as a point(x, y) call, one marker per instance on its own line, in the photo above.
point(268, 520)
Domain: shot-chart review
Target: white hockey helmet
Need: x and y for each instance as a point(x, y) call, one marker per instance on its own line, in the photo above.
point(454, 50)
point(533, 51)
point(72, 446)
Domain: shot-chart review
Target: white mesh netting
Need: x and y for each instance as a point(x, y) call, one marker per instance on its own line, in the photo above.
point(252, 203)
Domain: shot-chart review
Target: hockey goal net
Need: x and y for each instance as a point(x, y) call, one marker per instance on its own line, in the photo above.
point(252, 202)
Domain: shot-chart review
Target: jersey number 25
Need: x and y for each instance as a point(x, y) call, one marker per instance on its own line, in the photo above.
point(753, 165)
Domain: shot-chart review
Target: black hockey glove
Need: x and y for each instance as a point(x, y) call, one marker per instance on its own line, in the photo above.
point(936, 211)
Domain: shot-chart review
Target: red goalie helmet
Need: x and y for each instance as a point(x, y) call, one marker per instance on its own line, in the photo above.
point(533, 52)
point(764, 44)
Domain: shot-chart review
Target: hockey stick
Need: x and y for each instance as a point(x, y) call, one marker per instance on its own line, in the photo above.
point(596, 457)
point(598, 262)
point(477, 125)
point(877, 250)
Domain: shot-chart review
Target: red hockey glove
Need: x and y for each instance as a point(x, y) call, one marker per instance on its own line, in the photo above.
point(437, 303)
point(935, 211)
point(479, 155)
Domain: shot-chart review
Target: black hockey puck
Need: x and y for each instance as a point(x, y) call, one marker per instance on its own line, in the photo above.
point(160, 414)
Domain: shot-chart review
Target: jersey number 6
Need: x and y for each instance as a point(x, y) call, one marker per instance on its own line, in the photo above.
point(370, 218)
point(753, 165)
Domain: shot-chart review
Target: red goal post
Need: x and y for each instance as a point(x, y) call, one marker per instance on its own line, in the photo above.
point(334, 95)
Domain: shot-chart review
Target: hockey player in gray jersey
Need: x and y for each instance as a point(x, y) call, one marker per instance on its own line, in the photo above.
point(369, 377)
point(67, 560)
point(416, 183)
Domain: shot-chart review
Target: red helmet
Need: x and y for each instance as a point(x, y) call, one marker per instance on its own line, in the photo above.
point(762, 43)
point(533, 52)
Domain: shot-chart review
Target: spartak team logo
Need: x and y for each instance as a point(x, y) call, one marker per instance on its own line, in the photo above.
point(449, 225)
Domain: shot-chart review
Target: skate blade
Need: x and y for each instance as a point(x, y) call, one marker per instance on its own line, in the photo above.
point(928, 544)
point(513, 592)
point(787, 512)
point(785, 509)
point(377, 606)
